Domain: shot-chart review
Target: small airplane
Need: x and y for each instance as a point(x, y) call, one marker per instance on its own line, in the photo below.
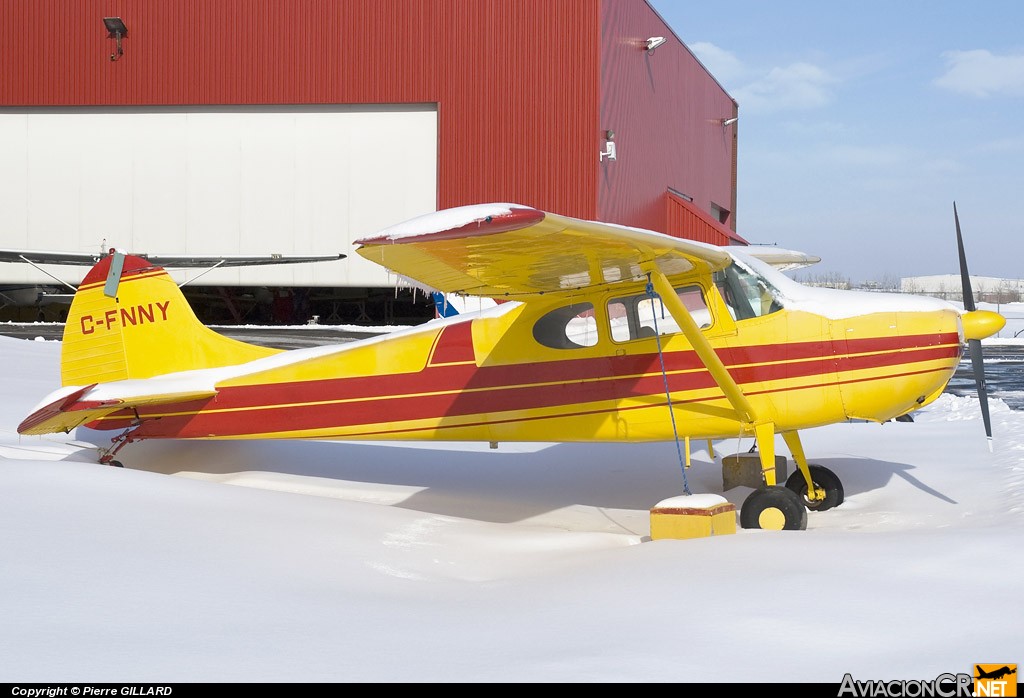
point(996, 674)
point(598, 332)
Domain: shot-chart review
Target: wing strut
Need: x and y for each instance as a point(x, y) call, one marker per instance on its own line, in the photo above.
point(26, 260)
point(700, 344)
point(764, 431)
point(205, 271)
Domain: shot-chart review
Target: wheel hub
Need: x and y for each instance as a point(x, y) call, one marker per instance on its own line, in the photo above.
point(772, 519)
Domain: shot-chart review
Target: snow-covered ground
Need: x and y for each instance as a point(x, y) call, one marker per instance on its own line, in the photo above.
point(325, 561)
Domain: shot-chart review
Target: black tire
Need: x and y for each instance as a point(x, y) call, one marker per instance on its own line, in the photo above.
point(823, 478)
point(775, 508)
point(116, 464)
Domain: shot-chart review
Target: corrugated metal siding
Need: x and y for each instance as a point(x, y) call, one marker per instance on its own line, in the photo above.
point(516, 81)
point(666, 111)
point(684, 219)
point(733, 223)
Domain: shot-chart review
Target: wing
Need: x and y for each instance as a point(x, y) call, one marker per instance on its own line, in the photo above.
point(41, 257)
point(165, 260)
point(198, 261)
point(504, 250)
point(781, 258)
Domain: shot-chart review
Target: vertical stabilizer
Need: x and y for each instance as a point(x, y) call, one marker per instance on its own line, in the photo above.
point(130, 320)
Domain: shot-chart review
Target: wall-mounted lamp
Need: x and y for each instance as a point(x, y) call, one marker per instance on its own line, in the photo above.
point(115, 30)
point(653, 43)
point(609, 146)
point(730, 122)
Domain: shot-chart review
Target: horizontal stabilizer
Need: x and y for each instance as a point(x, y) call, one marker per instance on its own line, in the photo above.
point(74, 409)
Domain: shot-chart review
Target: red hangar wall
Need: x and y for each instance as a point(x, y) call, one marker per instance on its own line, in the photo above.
point(527, 94)
point(675, 167)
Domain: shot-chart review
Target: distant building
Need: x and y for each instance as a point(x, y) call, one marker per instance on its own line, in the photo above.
point(298, 126)
point(986, 289)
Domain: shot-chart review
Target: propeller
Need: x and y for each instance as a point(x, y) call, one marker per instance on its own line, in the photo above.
point(973, 345)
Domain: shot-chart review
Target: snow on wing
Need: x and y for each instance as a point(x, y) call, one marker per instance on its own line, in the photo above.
point(508, 250)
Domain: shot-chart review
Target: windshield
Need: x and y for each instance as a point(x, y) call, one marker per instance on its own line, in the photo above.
point(746, 293)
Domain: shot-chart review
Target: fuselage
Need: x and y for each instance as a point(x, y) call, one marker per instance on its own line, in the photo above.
point(604, 365)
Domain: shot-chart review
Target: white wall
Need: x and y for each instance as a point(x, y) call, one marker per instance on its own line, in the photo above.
point(225, 180)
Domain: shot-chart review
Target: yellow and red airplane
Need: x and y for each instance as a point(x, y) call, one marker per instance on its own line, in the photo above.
point(607, 333)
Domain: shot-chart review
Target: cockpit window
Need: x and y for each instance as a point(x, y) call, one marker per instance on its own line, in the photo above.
point(635, 317)
point(746, 294)
point(568, 327)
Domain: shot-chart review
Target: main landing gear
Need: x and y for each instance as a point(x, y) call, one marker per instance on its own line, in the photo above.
point(823, 480)
point(812, 487)
point(774, 508)
point(117, 443)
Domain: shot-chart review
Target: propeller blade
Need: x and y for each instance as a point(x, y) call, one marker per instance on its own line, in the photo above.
point(973, 345)
point(978, 365)
point(965, 278)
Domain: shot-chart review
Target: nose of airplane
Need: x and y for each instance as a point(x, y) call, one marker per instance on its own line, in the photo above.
point(979, 324)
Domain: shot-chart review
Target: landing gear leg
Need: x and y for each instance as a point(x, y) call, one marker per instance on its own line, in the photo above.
point(117, 443)
point(816, 485)
point(771, 507)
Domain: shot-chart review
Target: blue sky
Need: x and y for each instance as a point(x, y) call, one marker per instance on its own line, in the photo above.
point(861, 123)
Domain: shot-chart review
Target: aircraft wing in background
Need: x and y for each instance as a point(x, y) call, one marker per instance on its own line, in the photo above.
point(33, 296)
point(781, 258)
point(180, 261)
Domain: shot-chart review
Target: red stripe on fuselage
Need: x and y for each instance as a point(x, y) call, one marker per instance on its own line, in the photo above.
point(469, 390)
point(385, 432)
point(797, 357)
point(454, 345)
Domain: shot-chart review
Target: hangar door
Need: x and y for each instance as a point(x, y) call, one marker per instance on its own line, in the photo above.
point(215, 180)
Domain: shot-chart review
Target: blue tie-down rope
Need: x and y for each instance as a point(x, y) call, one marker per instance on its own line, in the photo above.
point(664, 377)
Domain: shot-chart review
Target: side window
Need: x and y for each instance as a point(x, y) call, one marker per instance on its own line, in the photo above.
point(569, 327)
point(619, 319)
point(635, 317)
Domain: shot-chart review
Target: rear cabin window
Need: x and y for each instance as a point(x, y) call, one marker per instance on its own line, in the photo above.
point(640, 316)
point(568, 327)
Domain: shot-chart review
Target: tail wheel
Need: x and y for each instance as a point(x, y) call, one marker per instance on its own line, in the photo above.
point(821, 477)
point(774, 508)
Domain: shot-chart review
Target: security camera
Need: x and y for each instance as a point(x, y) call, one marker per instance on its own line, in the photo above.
point(654, 42)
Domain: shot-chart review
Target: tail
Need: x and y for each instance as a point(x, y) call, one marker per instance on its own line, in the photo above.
point(442, 306)
point(130, 320)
